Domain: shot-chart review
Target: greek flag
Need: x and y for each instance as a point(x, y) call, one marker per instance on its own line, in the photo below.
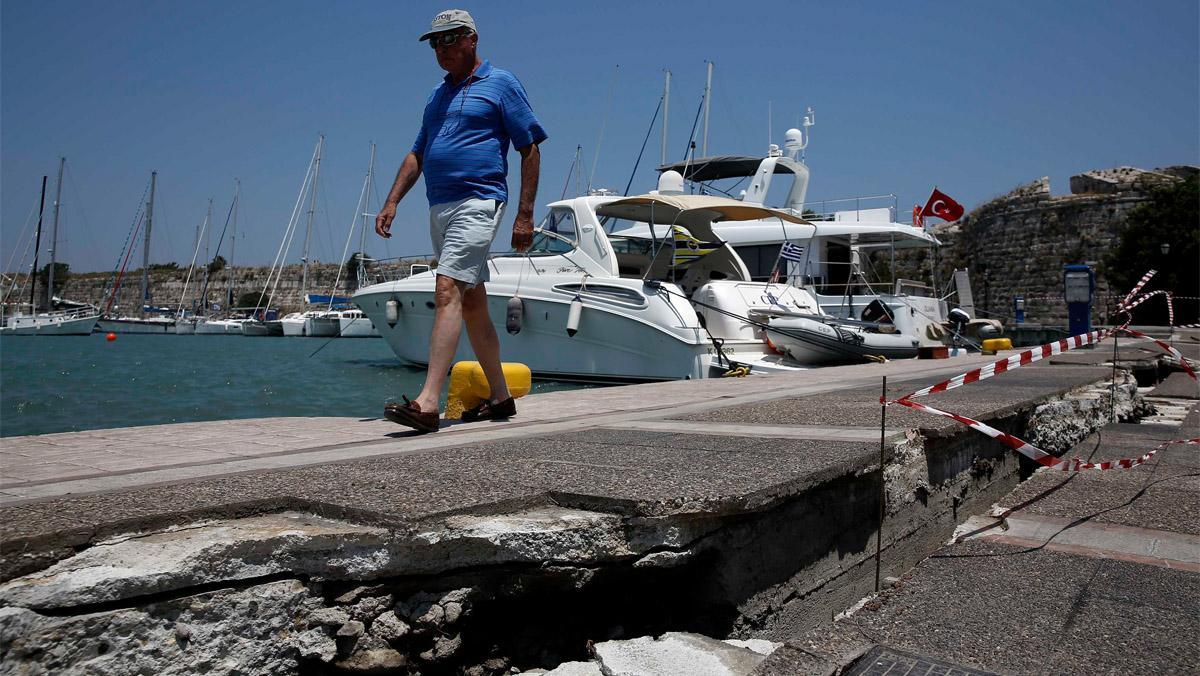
point(792, 252)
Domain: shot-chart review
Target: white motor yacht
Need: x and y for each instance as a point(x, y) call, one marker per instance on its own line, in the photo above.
point(592, 311)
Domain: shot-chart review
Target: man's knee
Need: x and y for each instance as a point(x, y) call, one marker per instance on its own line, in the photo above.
point(448, 292)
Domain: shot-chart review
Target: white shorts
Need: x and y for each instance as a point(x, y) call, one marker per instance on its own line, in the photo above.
point(462, 234)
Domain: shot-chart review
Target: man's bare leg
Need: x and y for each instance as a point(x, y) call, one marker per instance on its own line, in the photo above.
point(443, 341)
point(484, 341)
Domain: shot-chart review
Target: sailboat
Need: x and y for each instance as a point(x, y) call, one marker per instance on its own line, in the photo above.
point(79, 320)
point(292, 324)
point(216, 325)
point(141, 323)
point(339, 319)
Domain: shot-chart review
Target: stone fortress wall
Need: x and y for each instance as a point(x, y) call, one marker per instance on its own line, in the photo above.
point(1018, 243)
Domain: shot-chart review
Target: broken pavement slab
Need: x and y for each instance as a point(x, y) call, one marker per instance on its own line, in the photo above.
point(1105, 562)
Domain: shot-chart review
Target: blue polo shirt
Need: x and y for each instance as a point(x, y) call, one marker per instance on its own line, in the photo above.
point(465, 134)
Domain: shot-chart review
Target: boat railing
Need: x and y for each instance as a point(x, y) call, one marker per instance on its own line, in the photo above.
point(908, 287)
point(828, 209)
point(393, 269)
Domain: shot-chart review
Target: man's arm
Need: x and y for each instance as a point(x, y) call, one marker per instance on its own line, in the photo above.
point(531, 166)
point(410, 170)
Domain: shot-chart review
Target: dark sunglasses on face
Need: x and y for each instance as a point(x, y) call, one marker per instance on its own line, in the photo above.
point(446, 40)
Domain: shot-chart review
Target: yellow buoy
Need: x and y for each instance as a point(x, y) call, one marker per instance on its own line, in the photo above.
point(469, 386)
point(994, 345)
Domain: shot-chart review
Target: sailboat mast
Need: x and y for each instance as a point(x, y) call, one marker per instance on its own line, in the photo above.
point(237, 195)
point(146, 247)
point(208, 263)
point(311, 209)
point(666, 115)
point(36, 245)
point(707, 105)
point(360, 273)
point(62, 161)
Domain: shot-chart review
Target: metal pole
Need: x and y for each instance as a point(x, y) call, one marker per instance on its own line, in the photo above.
point(707, 105)
point(312, 207)
point(666, 115)
point(882, 492)
point(37, 244)
point(146, 247)
point(54, 235)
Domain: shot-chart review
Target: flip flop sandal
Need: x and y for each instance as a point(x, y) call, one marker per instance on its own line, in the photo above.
point(411, 415)
point(489, 411)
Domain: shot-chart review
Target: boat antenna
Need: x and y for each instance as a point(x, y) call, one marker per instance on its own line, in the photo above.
point(646, 140)
point(570, 171)
point(36, 246)
point(666, 114)
point(707, 105)
point(603, 122)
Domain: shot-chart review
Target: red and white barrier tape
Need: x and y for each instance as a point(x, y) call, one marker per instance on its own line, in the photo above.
point(1137, 287)
point(1029, 356)
point(1036, 454)
point(1037, 354)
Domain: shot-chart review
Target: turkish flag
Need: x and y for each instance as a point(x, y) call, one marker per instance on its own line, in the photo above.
point(941, 205)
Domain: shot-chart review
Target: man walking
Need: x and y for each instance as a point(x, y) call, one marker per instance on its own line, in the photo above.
point(462, 148)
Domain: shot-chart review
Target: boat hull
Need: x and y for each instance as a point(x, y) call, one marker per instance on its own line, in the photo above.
point(218, 327)
point(293, 327)
point(609, 345)
point(321, 327)
point(357, 327)
point(185, 327)
point(809, 341)
point(49, 326)
point(259, 329)
point(131, 325)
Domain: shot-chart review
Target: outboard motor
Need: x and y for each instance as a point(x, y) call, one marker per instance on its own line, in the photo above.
point(958, 319)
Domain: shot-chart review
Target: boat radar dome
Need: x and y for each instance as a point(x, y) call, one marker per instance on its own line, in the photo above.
point(793, 140)
point(670, 183)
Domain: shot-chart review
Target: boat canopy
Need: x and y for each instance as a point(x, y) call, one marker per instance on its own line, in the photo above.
point(702, 169)
point(696, 212)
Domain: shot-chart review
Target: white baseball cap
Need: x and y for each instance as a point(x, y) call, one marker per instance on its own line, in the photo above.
point(448, 20)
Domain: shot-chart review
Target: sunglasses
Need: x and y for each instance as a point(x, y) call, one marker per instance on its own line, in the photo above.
point(446, 40)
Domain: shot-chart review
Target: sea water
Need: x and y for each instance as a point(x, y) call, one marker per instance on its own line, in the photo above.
point(70, 383)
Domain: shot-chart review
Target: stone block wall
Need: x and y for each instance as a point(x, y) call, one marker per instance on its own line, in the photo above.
point(1018, 243)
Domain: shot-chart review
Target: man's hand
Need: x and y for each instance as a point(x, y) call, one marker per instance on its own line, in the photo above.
point(522, 237)
point(410, 169)
point(383, 220)
point(531, 164)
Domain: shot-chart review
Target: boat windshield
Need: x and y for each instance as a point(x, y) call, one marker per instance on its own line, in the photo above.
point(556, 233)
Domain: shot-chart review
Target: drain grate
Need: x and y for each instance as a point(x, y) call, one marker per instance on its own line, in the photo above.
point(882, 660)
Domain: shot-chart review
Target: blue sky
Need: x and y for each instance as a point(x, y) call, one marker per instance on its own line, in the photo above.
point(973, 97)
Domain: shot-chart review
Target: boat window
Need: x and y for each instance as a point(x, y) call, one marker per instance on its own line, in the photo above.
point(617, 293)
point(625, 245)
point(562, 223)
point(546, 242)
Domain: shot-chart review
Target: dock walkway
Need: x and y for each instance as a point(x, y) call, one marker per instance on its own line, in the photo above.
point(787, 462)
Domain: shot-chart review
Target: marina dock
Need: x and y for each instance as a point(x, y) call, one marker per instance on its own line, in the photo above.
point(738, 508)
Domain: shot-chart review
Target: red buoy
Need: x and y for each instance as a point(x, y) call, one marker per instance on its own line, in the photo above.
point(111, 337)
